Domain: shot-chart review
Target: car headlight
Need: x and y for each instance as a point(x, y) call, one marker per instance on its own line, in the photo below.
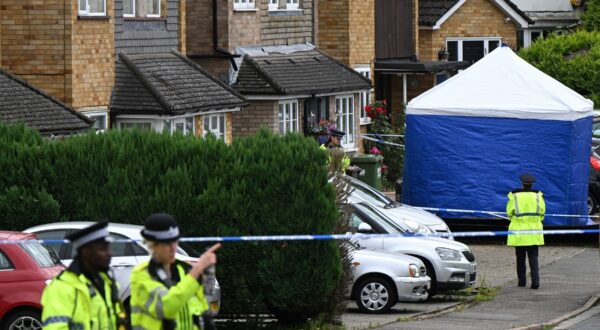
point(418, 228)
point(448, 254)
point(413, 270)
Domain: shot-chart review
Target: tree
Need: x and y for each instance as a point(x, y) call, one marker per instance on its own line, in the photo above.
point(573, 59)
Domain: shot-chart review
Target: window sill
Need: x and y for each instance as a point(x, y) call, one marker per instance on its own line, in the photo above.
point(365, 122)
point(245, 9)
point(144, 18)
point(286, 12)
point(93, 17)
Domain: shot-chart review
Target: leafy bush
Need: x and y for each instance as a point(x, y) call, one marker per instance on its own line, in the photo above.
point(591, 16)
point(261, 185)
point(573, 59)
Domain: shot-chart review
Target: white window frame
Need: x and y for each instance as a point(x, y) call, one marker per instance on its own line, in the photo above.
point(221, 132)
point(292, 4)
point(486, 40)
point(244, 4)
point(137, 121)
point(183, 120)
point(273, 4)
point(364, 97)
point(287, 125)
point(134, 5)
point(98, 114)
point(344, 108)
point(86, 11)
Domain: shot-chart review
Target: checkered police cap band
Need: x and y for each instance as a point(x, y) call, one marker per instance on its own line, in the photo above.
point(100, 233)
point(163, 235)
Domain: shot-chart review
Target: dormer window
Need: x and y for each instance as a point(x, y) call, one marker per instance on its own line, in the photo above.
point(141, 8)
point(292, 4)
point(92, 7)
point(243, 4)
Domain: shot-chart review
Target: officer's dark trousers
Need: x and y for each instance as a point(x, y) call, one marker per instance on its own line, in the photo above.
point(532, 255)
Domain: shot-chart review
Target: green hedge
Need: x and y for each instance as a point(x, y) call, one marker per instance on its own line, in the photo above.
point(262, 185)
point(573, 59)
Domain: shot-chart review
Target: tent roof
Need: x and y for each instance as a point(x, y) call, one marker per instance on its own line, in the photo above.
point(502, 85)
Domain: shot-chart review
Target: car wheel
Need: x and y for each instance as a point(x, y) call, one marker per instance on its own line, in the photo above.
point(25, 320)
point(592, 203)
point(431, 273)
point(375, 295)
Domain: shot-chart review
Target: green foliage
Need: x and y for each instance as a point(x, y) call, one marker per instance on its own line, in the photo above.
point(573, 59)
point(261, 185)
point(591, 16)
point(393, 156)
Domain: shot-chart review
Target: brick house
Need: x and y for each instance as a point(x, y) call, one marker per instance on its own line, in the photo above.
point(70, 50)
point(346, 31)
point(442, 38)
point(248, 42)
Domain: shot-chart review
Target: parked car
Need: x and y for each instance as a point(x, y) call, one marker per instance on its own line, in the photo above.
point(25, 269)
point(449, 264)
point(594, 181)
point(417, 220)
point(381, 279)
point(125, 256)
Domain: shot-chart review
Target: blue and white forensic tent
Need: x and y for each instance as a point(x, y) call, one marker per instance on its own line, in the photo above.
point(469, 139)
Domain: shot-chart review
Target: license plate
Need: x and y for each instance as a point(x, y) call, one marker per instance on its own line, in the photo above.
point(214, 307)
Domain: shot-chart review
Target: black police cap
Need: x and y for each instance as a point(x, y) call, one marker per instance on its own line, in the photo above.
point(336, 132)
point(527, 178)
point(160, 227)
point(90, 234)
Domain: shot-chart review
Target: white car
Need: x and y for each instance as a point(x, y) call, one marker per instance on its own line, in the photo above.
point(380, 280)
point(125, 256)
point(415, 219)
point(449, 264)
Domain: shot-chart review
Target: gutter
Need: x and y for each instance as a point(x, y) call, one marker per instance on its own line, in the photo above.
point(220, 52)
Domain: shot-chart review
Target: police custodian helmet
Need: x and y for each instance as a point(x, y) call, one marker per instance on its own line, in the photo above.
point(160, 227)
point(87, 235)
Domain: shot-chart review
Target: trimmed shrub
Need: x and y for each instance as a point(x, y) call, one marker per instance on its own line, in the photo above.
point(261, 185)
point(573, 59)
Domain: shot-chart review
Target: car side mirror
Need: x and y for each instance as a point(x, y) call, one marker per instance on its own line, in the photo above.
point(365, 228)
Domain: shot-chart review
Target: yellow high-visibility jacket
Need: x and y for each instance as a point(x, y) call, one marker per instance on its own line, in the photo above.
point(161, 303)
point(525, 209)
point(71, 301)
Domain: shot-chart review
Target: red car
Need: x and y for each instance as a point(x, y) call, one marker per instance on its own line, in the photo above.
point(25, 268)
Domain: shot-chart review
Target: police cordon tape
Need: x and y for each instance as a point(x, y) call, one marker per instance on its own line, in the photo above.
point(385, 135)
point(348, 236)
point(382, 141)
point(501, 213)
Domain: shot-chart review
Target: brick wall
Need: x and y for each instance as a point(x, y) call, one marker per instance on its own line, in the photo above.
point(199, 123)
point(286, 27)
point(199, 26)
point(415, 23)
point(93, 58)
point(362, 32)
point(244, 26)
point(182, 34)
point(218, 67)
point(334, 29)
point(253, 117)
point(35, 42)
point(475, 18)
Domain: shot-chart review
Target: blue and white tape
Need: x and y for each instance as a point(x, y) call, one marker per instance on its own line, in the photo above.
point(385, 135)
point(342, 236)
point(382, 141)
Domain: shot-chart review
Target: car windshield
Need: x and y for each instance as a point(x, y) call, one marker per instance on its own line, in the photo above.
point(388, 225)
point(371, 195)
point(41, 254)
point(596, 128)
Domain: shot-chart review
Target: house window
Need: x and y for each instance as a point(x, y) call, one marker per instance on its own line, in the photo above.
point(243, 4)
point(215, 124)
point(470, 49)
point(273, 4)
point(135, 125)
point(141, 8)
point(344, 107)
point(291, 4)
point(100, 120)
point(92, 7)
point(184, 126)
point(365, 97)
point(288, 116)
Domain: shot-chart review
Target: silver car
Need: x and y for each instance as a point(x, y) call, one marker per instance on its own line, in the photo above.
point(450, 264)
point(125, 256)
point(381, 279)
point(417, 220)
